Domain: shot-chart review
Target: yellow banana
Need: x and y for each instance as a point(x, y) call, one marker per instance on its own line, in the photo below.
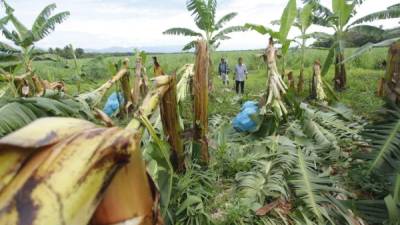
point(17, 147)
point(66, 185)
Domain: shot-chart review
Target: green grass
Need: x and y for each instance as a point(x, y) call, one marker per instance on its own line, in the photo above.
point(363, 76)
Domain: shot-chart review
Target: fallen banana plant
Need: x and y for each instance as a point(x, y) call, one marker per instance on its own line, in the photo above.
point(276, 87)
point(94, 98)
point(62, 171)
point(16, 113)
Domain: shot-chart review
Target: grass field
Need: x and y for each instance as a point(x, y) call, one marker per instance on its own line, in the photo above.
point(363, 76)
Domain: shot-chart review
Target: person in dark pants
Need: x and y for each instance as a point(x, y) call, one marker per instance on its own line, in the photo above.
point(240, 76)
point(223, 70)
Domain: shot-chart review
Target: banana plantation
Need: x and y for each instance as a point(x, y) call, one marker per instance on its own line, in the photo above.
point(314, 138)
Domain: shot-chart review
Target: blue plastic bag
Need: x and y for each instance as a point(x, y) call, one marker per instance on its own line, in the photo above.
point(112, 104)
point(243, 122)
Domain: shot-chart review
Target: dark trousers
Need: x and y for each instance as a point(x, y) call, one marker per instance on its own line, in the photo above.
point(241, 85)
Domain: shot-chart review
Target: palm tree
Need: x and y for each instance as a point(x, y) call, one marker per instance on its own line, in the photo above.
point(24, 38)
point(204, 12)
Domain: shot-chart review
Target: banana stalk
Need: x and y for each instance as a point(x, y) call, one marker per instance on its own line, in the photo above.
point(317, 90)
point(276, 87)
point(126, 87)
point(136, 81)
point(94, 98)
point(200, 92)
point(171, 126)
point(392, 79)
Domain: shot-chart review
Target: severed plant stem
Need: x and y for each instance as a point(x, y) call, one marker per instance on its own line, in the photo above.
point(172, 129)
point(317, 90)
point(94, 98)
point(200, 91)
point(392, 79)
point(136, 82)
point(276, 87)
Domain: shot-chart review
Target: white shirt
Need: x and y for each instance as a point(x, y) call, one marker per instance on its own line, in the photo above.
point(240, 72)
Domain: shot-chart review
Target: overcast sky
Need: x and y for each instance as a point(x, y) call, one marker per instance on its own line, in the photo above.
point(135, 23)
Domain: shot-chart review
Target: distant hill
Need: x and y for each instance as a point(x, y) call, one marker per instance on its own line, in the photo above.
point(154, 49)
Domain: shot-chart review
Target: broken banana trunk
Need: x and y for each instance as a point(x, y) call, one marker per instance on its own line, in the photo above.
point(340, 80)
point(317, 90)
point(200, 104)
point(392, 80)
point(94, 98)
point(126, 87)
point(171, 126)
point(276, 87)
point(136, 82)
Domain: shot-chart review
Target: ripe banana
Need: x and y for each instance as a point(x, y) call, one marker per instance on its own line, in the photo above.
point(64, 183)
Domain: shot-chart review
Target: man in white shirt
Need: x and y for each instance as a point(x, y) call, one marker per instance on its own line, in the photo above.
point(240, 75)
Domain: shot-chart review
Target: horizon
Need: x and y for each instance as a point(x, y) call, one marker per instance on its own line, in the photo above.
point(104, 24)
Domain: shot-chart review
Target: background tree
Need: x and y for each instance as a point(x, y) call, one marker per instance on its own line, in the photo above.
point(286, 23)
point(79, 52)
point(213, 31)
point(345, 33)
point(24, 38)
point(383, 37)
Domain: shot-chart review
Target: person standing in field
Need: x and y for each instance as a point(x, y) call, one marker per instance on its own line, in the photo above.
point(240, 76)
point(223, 70)
point(158, 71)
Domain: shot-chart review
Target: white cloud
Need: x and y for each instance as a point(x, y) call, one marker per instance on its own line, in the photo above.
point(106, 23)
